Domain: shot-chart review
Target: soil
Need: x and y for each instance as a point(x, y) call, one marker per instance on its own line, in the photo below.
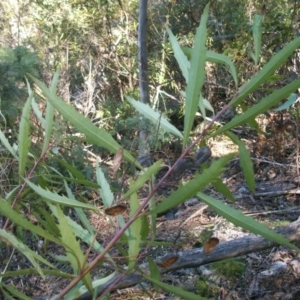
point(268, 274)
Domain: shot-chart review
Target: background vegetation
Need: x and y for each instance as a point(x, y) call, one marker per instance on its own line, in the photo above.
point(94, 44)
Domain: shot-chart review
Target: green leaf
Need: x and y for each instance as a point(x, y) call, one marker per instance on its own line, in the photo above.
point(83, 182)
point(24, 138)
point(291, 100)
point(208, 106)
point(95, 135)
point(238, 219)
point(213, 57)
point(55, 198)
point(268, 70)
point(76, 256)
point(245, 161)
point(7, 211)
point(46, 219)
point(181, 58)
point(26, 251)
point(71, 169)
point(261, 107)
point(223, 189)
point(37, 112)
point(252, 122)
point(175, 290)
point(145, 175)
point(86, 236)
point(80, 289)
point(134, 237)
point(154, 116)
point(202, 106)
point(145, 228)
point(50, 112)
point(13, 291)
point(154, 272)
point(193, 186)
point(79, 212)
point(196, 76)
point(107, 196)
point(30, 271)
point(7, 145)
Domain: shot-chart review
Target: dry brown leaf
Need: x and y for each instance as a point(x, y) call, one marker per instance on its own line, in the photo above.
point(116, 210)
point(168, 261)
point(210, 245)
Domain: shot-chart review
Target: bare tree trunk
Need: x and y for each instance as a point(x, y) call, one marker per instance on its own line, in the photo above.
point(143, 72)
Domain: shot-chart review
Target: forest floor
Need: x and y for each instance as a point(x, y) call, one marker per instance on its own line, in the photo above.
point(273, 273)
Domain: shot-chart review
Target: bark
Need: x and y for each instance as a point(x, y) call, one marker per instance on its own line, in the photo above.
point(196, 257)
point(143, 72)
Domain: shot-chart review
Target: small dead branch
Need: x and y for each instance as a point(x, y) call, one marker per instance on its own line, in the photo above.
point(268, 212)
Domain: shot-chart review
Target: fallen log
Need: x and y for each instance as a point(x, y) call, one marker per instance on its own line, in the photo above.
point(196, 257)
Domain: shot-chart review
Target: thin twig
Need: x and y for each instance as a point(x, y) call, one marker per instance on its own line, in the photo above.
point(261, 213)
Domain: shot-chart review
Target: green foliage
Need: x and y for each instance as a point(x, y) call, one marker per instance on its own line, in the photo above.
point(205, 289)
point(238, 219)
point(14, 65)
point(44, 189)
point(175, 290)
point(230, 268)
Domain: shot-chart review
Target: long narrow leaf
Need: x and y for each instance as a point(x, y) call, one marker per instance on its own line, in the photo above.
point(24, 139)
point(73, 170)
point(30, 271)
point(7, 211)
point(196, 76)
point(193, 186)
point(79, 211)
point(134, 237)
point(13, 291)
point(261, 107)
point(7, 145)
point(181, 58)
point(268, 70)
point(95, 135)
point(37, 112)
point(76, 256)
point(175, 290)
point(80, 289)
point(223, 189)
point(245, 161)
point(214, 57)
point(154, 272)
point(154, 116)
point(291, 100)
point(238, 219)
point(137, 184)
point(55, 198)
point(85, 236)
point(107, 196)
point(46, 220)
point(50, 112)
point(105, 191)
point(83, 182)
point(31, 255)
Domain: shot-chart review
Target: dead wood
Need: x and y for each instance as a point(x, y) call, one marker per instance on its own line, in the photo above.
point(196, 257)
